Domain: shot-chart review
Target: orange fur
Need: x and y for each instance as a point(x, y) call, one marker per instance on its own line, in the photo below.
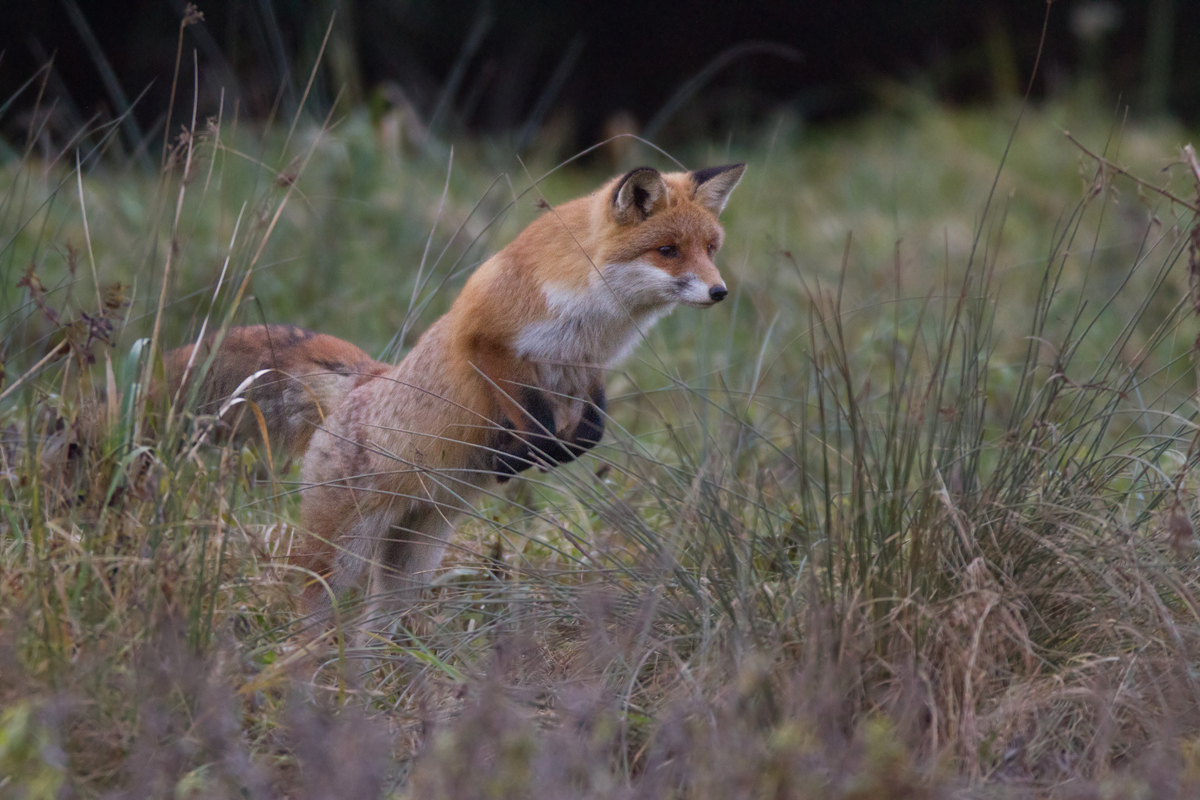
point(308, 375)
point(509, 377)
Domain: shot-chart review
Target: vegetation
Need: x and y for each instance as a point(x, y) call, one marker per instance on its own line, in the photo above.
point(910, 515)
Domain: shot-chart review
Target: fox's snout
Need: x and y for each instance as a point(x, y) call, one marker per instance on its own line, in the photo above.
point(706, 287)
point(699, 291)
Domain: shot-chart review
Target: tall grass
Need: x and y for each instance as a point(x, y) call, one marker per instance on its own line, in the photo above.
point(911, 513)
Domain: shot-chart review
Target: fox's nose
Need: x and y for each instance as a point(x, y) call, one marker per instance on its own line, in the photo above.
point(717, 293)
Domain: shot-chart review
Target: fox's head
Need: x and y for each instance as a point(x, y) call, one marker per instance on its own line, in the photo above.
point(663, 234)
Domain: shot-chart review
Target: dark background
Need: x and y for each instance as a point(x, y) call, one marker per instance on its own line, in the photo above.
point(505, 67)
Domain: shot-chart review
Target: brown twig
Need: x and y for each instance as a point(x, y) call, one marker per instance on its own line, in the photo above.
point(1189, 156)
point(1110, 165)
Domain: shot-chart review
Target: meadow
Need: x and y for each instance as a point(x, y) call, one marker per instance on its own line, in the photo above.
point(910, 514)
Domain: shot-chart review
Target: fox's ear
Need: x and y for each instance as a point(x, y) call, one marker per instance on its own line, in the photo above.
point(638, 195)
point(713, 185)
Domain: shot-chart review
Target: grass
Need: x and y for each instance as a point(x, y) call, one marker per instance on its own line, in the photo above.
point(910, 514)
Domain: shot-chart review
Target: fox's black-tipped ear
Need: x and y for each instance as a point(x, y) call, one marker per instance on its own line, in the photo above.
point(638, 195)
point(714, 184)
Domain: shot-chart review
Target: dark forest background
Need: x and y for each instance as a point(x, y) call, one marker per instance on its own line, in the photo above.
point(668, 68)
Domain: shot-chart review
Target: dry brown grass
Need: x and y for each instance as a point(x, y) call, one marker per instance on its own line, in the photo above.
point(929, 533)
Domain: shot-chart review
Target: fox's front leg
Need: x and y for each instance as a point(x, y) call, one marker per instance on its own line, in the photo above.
point(520, 450)
point(590, 428)
point(512, 453)
point(531, 440)
point(526, 413)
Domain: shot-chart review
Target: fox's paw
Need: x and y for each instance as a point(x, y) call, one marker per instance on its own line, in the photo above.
point(509, 465)
point(590, 428)
point(512, 458)
point(543, 452)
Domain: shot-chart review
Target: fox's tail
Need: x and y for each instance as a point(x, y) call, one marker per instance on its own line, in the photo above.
point(295, 377)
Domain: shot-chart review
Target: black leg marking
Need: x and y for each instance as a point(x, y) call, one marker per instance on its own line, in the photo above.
point(543, 441)
point(513, 454)
point(590, 429)
point(519, 451)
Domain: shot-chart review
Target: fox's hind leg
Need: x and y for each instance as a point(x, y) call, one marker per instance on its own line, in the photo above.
point(337, 561)
point(387, 560)
point(406, 557)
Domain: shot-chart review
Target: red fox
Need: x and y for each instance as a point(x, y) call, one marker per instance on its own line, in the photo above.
point(512, 376)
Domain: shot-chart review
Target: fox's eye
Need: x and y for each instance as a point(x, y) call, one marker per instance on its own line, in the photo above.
point(712, 248)
point(668, 251)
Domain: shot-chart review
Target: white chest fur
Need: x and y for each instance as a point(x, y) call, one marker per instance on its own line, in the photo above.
point(600, 325)
point(593, 328)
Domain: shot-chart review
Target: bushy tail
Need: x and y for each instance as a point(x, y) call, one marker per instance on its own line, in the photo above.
point(293, 377)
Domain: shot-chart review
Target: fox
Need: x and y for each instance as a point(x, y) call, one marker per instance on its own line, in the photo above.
point(509, 378)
